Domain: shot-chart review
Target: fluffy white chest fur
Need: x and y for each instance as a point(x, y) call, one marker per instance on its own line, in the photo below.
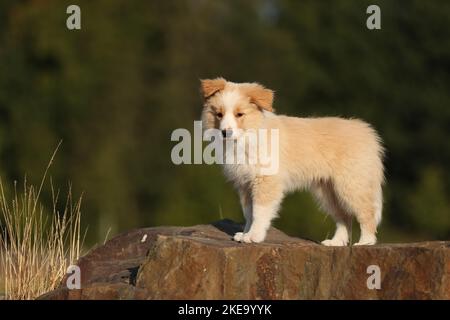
point(339, 160)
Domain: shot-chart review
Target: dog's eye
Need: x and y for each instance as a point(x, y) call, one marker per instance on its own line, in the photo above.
point(219, 115)
point(239, 114)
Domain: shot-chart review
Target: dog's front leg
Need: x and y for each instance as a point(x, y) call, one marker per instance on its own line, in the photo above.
point(266, 199)
point(246, 204)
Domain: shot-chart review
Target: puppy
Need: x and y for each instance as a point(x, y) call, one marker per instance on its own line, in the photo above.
point(339, 160)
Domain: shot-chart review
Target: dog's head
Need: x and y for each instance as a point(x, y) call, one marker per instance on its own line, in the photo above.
point(234, 107)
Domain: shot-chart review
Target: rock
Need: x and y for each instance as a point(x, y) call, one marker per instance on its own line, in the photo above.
point(202, 262)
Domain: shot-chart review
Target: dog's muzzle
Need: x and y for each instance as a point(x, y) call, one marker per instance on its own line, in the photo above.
point(227, 133)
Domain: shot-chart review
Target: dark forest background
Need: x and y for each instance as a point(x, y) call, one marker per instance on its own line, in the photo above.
point(116, 89)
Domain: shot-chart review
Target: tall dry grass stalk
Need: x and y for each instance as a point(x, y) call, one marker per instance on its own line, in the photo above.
point(36, 247)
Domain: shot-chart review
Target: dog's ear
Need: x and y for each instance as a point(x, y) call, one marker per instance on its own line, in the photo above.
point(211, 86)
point(260, 96)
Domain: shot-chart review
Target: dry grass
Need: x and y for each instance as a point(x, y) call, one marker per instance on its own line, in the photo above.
point(36, 247)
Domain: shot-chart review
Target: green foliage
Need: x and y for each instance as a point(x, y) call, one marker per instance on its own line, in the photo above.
point(115, 90)
point(429, 202)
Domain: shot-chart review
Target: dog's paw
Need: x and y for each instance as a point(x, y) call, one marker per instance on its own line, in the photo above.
point(238, 236)
point(366, 242)
point(253, 237)
point(334, 243)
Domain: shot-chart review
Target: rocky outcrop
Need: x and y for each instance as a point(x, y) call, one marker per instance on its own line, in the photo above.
point(202, 262)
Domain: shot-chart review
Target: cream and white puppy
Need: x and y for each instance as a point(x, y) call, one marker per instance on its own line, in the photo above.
point(339, 160)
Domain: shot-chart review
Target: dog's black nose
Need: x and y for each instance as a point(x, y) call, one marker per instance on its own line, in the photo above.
point(226, 133)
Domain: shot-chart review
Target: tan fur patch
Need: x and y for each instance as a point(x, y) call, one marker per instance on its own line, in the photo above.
point(211, 86)
point(259, 95)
